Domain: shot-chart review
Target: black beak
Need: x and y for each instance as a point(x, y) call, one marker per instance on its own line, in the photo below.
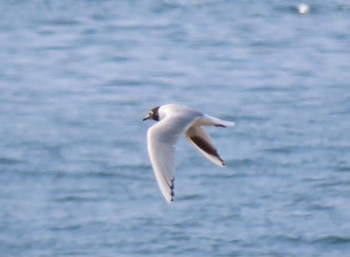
point(146, 118)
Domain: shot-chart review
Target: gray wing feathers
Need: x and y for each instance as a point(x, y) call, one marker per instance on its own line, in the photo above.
point(162, 157)
point(162, 138)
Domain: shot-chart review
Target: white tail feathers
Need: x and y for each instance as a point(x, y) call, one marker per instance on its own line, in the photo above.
point(208, 120)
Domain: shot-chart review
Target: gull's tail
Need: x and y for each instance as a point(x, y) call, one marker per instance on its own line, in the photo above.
point(208, 120)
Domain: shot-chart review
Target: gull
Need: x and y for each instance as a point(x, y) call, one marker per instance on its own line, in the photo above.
point(174, 120)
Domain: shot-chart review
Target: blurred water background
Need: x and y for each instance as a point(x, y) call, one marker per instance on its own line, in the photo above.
point(77, 77)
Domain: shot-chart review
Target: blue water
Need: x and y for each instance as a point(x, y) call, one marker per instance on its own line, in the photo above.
point(77, 77)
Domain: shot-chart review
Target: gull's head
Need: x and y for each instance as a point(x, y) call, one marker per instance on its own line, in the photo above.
point(153, 114)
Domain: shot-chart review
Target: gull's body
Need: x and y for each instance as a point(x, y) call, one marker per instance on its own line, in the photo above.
point(175, 120)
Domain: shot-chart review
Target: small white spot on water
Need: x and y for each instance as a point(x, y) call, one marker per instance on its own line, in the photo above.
point(304, 8)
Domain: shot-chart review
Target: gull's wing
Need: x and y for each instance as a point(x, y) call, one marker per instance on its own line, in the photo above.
point(203, 143)
point(161, 140)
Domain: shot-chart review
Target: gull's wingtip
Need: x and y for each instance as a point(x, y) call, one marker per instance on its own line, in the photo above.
point(222, 164)
point(170, 201)
point(169, 197)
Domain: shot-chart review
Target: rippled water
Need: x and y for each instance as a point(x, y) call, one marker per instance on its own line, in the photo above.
point(77, 77)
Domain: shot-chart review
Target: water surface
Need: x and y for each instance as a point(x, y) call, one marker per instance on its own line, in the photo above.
point(76, 78)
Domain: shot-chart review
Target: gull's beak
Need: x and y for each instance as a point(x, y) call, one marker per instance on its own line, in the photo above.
point(147, 117)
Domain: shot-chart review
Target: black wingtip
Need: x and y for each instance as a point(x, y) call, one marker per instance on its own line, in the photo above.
point(222, 161)
point(172, 191)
